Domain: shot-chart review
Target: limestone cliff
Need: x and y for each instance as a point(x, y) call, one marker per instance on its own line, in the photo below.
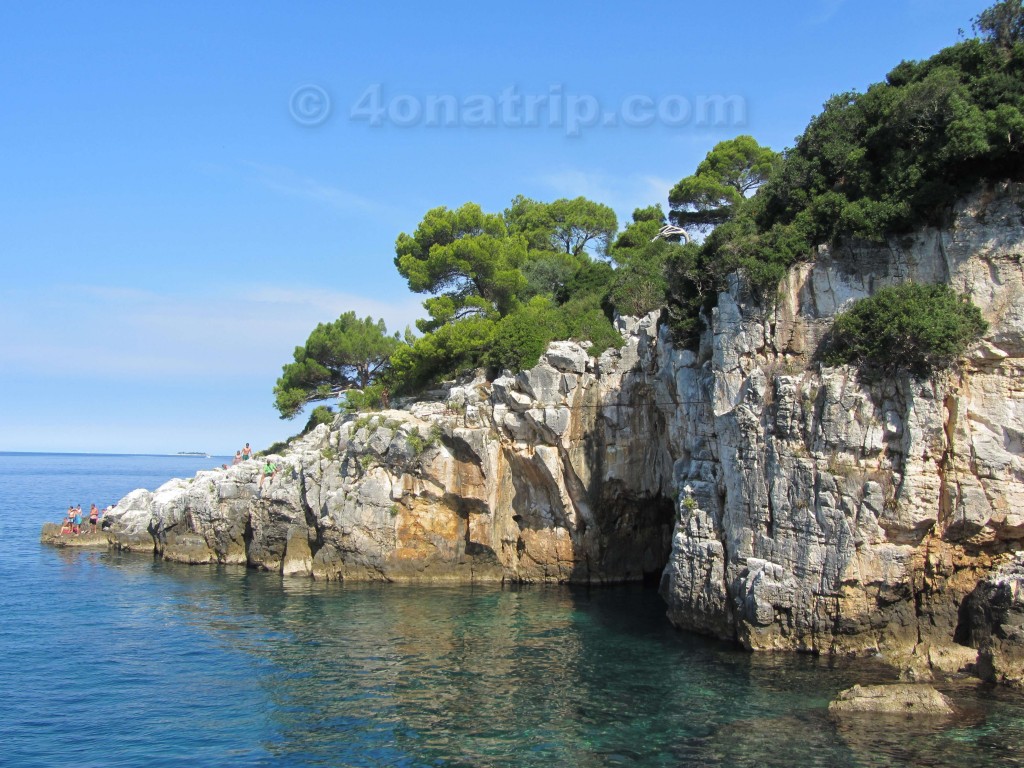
point(828, 515)
point(562, 473)
point(783, 504)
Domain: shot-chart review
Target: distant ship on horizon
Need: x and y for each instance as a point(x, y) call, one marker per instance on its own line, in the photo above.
point(201, 454)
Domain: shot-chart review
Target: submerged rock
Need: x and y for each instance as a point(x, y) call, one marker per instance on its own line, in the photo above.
point(906, 699)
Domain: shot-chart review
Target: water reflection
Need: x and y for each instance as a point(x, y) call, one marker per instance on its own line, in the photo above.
point(485, 676)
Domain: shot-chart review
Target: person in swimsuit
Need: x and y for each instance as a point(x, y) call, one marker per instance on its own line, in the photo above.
point(94, 518)
point(246, 452)
point(77, 527)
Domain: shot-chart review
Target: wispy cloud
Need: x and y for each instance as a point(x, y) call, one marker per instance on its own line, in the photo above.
point(288, 182)
point(823, 11)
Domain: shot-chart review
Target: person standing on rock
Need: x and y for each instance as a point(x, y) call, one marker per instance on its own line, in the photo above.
point(246, 452)
point(77, 527)
point(94, 518)
point(237, 459)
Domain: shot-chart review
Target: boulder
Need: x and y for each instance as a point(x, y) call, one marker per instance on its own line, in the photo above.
point(905, 699)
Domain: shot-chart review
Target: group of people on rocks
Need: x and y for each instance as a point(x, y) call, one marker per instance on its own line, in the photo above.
point(269, 470)
point(73, 521)
point(243, 455)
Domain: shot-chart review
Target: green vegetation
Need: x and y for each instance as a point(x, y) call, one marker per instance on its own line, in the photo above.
point(871, 165)
point(639, 284)
point(564, 226)
point(889, 159)
point(369, 398)
point(275, 448)
point(910, 327)
point(500, 286)
point(504, 286)
point(347, 354)
point(366, 421)
point(1003, 24)
point(322, 414)
point(710, 201)
point(418, 443)
point(731, 171)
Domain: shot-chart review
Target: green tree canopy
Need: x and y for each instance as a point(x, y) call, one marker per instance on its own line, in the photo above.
point(347, 354)
point(870, 166)
point(732, 170)
point(639, 232)
point(567, 226)
point(1002, 23)
point(639, 284)
point(504, 285)
point(467, 258)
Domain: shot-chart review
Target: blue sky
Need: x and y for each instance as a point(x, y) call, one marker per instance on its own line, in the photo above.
point(189, 188)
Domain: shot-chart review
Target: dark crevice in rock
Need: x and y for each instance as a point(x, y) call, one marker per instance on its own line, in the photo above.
point(316, 541)
point(247, 539)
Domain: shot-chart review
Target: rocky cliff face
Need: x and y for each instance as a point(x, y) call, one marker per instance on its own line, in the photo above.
point(562, 473)
point(783, 504)
point(828, 515)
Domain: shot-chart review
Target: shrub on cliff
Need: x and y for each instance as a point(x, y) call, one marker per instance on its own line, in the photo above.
point(322, 414)
point(519, 339)
point(910, 327)
point(869, 166)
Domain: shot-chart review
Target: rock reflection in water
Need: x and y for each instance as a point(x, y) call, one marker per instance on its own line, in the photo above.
point(485, 676)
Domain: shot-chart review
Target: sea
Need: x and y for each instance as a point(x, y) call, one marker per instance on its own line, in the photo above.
point(111, 659)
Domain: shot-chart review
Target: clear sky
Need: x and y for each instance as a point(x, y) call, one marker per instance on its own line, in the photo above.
point(187, 189)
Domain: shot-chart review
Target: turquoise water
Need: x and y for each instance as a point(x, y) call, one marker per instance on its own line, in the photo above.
point(121, 660)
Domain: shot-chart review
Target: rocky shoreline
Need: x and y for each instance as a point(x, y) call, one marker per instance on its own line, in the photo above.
point(781, 504)
point(51, 534)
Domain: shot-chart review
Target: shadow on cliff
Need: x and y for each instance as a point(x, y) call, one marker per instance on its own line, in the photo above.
point(634, 537)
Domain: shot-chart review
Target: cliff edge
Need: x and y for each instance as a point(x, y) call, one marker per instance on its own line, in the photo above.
point(561, 473)
point(830, 515)
point(782, 504)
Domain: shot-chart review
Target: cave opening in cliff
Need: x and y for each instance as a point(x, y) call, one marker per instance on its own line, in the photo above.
point(636, 533)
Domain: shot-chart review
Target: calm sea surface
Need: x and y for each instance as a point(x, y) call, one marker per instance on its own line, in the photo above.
point(121, 660)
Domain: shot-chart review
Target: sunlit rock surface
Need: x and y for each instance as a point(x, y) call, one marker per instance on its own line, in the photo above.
point(831, 516)
point(903, 699)
point(560, 473)
point(783, 505)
